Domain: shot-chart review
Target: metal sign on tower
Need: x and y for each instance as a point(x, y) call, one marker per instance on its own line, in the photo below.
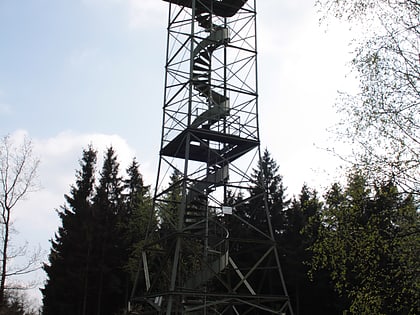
point(209, 254)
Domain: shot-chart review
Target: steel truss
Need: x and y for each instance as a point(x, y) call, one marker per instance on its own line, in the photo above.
point(197, 262)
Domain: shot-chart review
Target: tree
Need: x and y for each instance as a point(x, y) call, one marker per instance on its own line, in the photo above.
point(309, 295)
point(382, 121)
point(71, 261)
point(162, 218)
point(368, 242)
point(261, 213)
point(134, 221)
point(168, 204)
point(90, 270)
point(109, 252)
point(18, 178)
point(17, 303)
point(266, 179)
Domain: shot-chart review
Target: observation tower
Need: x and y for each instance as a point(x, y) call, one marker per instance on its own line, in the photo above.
point(212, 253)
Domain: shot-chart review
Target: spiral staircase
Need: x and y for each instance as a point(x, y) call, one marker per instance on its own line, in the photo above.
point(210, 125)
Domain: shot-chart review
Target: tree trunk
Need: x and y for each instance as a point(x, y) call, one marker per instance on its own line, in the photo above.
point(86, 281)
point(6, 218)
point(101, 282)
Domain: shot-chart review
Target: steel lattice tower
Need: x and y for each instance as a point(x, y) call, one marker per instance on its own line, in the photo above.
point(201, 261)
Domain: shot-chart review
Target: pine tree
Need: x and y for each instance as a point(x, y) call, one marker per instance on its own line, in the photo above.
point(67, 290)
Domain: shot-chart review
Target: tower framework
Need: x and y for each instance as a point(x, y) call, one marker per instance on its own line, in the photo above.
point(209, 255)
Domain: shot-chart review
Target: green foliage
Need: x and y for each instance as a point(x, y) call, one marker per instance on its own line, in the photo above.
point(17, 303)
point(295, 225)
point(266, 183)
point(90, 269)
point(70, 259)
point(381, 120)
point(168, 204)
point(137, 219)
point(262, 220)
point(107, 251)
point(368, 241)
point(300, 230)
point(362, 242)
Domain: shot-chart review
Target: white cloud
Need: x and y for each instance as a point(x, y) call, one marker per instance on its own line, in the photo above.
point(59, 156)
point(18, 136)
point(35, 218)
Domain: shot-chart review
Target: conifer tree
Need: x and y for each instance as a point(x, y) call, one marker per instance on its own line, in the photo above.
point(169, 205)
point(301, 223)
point(68, 286)
point(265, 178)
point(89, 265)
point(134, 220)
point(109, 252)
point(267, 196)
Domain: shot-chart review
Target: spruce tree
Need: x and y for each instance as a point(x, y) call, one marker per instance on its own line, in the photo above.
point(89, 264)
point(309, 295)
point(168, 205)
point(263, 207)
point(67, 289)
point(265, 178)
point(157, 216)
point(108, 251)
point(133, 222)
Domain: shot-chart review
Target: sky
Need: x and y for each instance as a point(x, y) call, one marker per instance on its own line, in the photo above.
point(80, 72)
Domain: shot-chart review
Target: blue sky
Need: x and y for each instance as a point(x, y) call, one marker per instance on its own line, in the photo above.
point(74, 72)
point(71, 65)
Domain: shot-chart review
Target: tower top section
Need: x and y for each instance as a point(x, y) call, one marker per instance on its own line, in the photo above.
point(224, 8)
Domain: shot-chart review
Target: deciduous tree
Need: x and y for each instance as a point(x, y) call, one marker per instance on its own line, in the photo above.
point(368, 241)
point(18, 178)
point(17, 303)
point(382, 120)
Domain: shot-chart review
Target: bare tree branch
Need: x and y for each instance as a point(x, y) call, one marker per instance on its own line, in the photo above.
point(18, 178)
